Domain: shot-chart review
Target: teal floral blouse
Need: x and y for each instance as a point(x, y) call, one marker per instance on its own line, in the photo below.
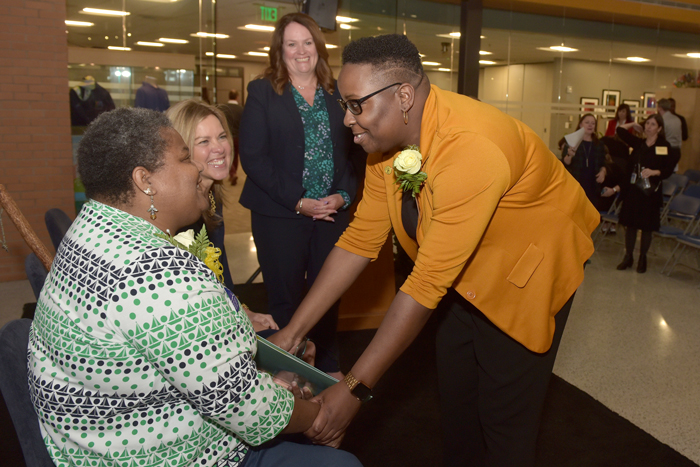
point(317, 177)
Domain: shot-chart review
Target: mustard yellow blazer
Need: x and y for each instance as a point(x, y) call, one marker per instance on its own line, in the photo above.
point(500, 218)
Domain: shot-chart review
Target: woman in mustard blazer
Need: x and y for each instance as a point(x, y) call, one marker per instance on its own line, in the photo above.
point(499, 232)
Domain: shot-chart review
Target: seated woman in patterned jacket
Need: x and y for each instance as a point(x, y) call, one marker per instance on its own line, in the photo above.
point(137, 354)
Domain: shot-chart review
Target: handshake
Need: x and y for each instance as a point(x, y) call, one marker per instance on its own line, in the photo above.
point(327, 404)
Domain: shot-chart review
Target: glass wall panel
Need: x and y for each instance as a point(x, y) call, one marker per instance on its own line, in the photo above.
point(206, 48)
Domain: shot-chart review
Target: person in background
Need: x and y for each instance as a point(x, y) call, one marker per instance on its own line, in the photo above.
point(587, 161)
point(233, 111)
point(622, 115)
point(499, 232)
point(652, 160)
point(684, 124)
point(137, 354)
point(673, 128)
point(297, 156)
point(205, 130)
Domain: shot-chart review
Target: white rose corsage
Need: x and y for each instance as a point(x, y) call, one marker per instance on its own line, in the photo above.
point(407, 166)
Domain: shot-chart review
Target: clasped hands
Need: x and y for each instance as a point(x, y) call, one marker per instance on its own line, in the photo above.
point(338, 405)
point(321, 209)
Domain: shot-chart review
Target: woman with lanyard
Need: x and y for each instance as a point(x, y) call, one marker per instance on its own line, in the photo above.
point(651, 161)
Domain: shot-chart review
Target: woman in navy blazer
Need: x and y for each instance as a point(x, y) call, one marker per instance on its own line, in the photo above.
point(300, 163)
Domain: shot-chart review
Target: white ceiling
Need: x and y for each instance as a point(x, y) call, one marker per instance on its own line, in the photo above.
point(153, 19)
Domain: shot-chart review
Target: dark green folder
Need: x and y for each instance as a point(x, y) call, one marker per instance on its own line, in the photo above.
point(285, 366)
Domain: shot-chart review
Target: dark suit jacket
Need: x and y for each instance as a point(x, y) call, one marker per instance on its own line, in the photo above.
point(272, 151)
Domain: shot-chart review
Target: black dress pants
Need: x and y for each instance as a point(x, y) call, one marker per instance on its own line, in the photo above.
point(492, 388)
point(291, 253)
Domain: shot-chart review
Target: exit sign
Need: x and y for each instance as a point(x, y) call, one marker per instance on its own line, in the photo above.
point(268, 13)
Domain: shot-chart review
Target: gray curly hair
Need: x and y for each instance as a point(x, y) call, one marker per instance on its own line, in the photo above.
point(113, 145)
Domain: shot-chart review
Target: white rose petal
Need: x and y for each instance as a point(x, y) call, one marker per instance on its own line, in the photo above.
point(185, 238)
point(408, 161)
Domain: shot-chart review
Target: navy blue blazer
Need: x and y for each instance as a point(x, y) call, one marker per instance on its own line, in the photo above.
point(272, 150)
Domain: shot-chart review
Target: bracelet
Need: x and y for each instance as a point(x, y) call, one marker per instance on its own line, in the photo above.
point(301, 203)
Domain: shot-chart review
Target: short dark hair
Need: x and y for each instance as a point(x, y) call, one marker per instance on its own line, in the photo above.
point(113, 145)
point(390, 53)
point(233, 95)
point(664, 104)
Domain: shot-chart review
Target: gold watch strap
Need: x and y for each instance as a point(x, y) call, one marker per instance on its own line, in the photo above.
point(351, 381)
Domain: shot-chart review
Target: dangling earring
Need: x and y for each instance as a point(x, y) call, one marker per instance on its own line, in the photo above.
point(152, 209)
point(212, 202)
point(405, 117)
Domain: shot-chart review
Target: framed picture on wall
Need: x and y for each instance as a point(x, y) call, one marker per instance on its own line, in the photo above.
point(588, 105)
point(634, 108)
point(611, 98)
point(650, 102)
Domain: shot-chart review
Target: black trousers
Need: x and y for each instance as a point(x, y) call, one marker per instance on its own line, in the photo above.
point(291, 253)
point(492, 388)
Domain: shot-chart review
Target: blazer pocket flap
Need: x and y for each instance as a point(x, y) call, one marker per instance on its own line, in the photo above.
point(526, 265)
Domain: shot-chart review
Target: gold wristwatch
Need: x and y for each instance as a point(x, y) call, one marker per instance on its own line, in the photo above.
point(360, 390)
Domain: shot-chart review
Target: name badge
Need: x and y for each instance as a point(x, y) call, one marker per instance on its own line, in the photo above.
point(661, 151)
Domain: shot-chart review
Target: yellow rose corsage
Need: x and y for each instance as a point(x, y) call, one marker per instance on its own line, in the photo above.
point(200, 246)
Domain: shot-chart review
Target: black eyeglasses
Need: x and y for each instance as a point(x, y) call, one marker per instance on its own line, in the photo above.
point(355, 105)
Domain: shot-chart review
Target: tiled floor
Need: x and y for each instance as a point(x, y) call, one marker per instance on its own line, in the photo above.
point(632, 340)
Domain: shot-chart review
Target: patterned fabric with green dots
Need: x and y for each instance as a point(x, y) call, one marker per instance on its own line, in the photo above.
point(137, 356)
point(317, 177)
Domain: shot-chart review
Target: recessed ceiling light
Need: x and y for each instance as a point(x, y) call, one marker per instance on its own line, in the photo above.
point(455, 34)
point(330, 46)
point(637, 59)
point(432, 63)
point(208, 34)
point(346, 26)
point(173, 41)
point(150, 44)
point(98, 11)
point(83, 24)
point(557, 48)
point(257, 54)
point(444, 69)
point(486, 62)
point(483, 52)
point(694, 54)
point(114, 47)
point(209, 54)
point(259, 27)
point(225, 56)
point(346, 19)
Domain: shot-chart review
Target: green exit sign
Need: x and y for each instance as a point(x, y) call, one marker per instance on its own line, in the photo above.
point(268, 13)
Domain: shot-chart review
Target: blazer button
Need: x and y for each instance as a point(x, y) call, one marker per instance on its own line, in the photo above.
point(471, 295)
point(387, 170)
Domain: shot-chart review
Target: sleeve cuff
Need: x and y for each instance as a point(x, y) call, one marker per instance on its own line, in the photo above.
point(346, 198)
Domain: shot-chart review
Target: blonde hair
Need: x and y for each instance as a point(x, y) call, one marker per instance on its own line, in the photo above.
point(186, 116)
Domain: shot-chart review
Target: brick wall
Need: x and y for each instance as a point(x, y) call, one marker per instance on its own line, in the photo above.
point(35, 145)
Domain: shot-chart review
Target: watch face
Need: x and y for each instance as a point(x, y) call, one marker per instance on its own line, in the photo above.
point(362, 392)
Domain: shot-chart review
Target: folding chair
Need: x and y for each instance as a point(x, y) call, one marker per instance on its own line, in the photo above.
point(57, 223)
point(680, 180)
point(692, 190)
point(681, 210)
point(36, 273)
point(683, 242)
point(14, 384)
point(693, 176)
point(669, 190)
point(608, 220)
